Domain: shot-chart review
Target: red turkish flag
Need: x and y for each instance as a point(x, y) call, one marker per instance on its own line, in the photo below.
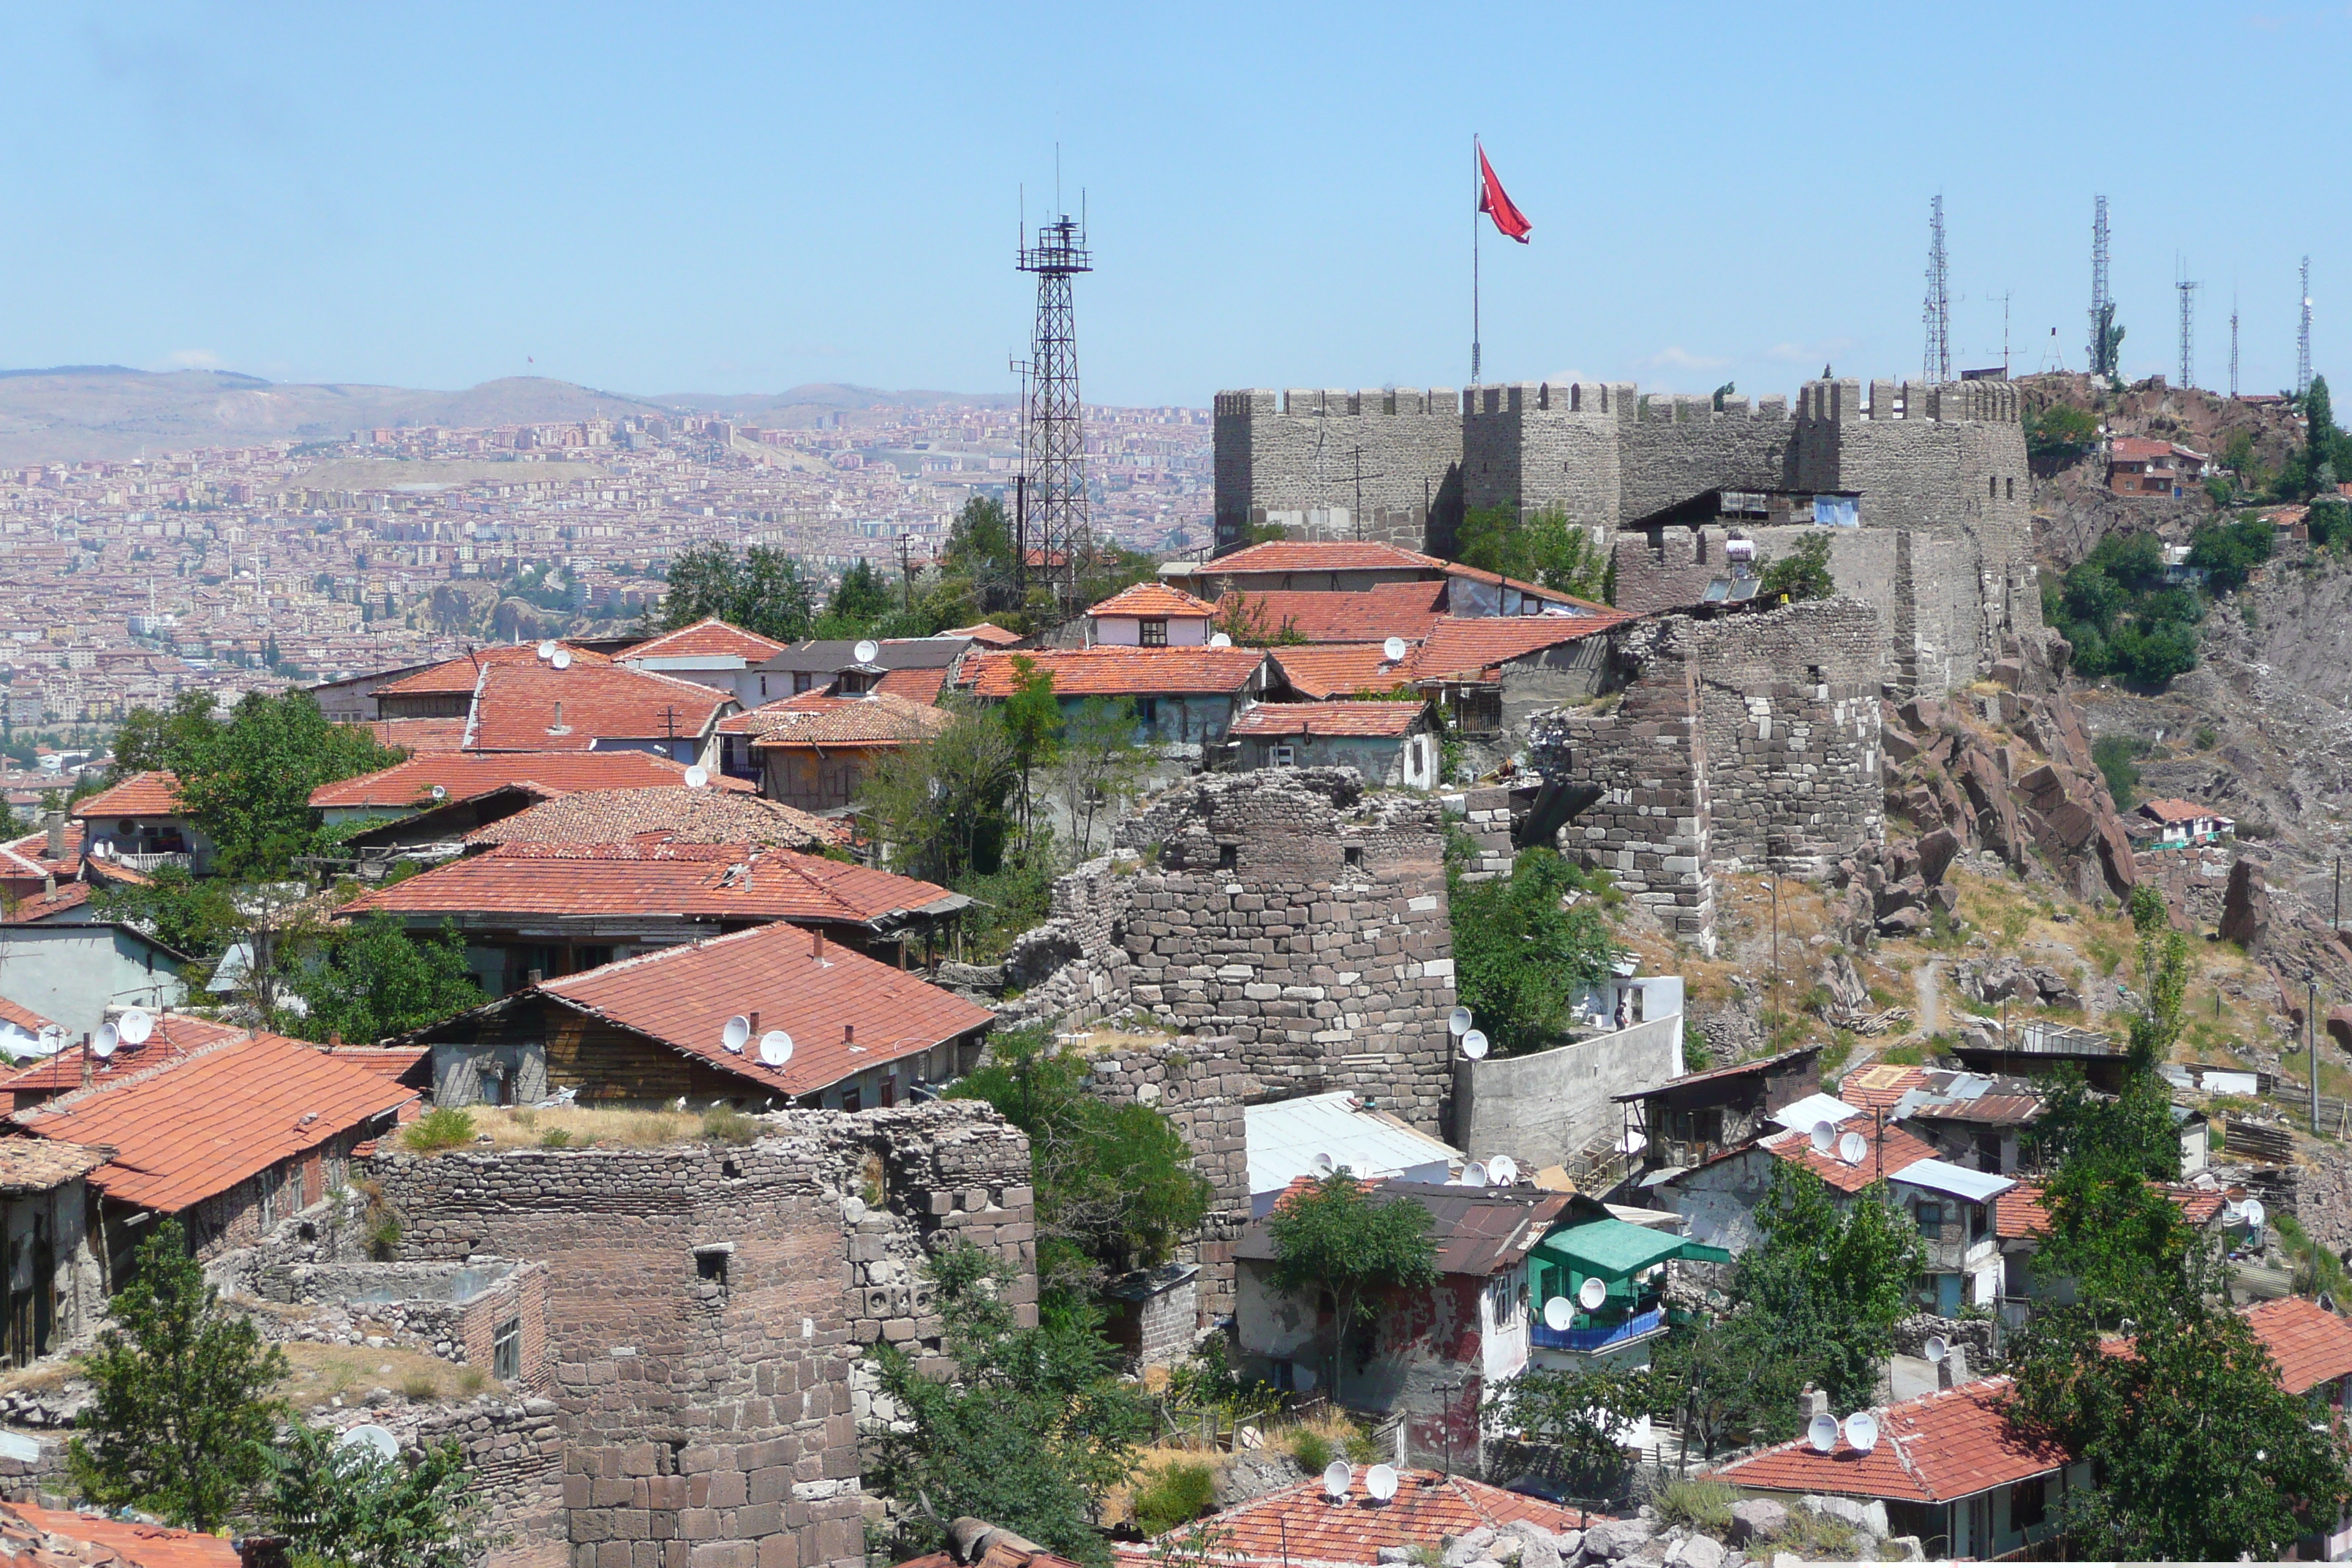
point(1508, 219)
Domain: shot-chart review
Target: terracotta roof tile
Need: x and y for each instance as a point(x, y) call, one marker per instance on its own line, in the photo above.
point(24, 1018)
point(47, 906)
point(1937, 1448)
point(198, 1125)
point(1155, 601)
point(1317, 555)
point(1892, 1150)
point(921, 685)
point(1878, 1086)
point(1455, 647)
point(684, 996)
point(153, 794)
point(670, 814)
point(535, 707)
point(459, 676)
point(986, 633)
point(2021, 1211)
point(1300, 1524)
point(174, 1036)
point(2175, 810)
point(415, 736)
point(1122, 671)
point(467, 775)
point(1407, 610)
point(30, 855)
point(1550, 596)
point(2311, 1344)
point(709, 636)
point(698, 882)
point(1393, 719)
point(384, 1061)
point(54, 1538)
point(811, 718)
point(42, 1164)
point(1337, 669)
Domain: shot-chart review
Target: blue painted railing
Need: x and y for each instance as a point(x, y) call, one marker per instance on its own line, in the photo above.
point(1638, 1326)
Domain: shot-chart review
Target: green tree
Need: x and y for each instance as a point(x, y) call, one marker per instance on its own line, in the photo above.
point(2117, 759)
point(1115, 1189)
point(1802, 574)
point(1541, 546)
point(246, 782)
point(980, 552)
point(181, 1416)
point(189, 914)
point(1520, 956)
point(939, 807)
point(1832, 1278)
point(1032, 721)
point(1098, 767)
point(1334, 1238)
point(1578, 1415)
point(860, 601)
point(351, 1508)
point(150, 740)
point(2061, 433)
point(763, 590)
point(371, 979)
point(1030, 1430)
point(2227, 551)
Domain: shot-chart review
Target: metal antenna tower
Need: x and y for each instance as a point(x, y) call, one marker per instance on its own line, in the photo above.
point(2302, 338)
point(2103, 304)
point(1936, 367)
point(1055, 451)
point(2234, 345)
point(2188, 334)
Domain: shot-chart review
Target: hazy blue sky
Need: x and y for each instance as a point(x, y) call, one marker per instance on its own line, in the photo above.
point(663, 198)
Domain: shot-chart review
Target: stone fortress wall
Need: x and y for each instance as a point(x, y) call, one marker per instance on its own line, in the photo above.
point(1942, 551)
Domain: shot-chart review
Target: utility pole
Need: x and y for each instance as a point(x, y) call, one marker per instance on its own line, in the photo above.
point(2234, 345)
point(2303, 337)
point(1356, 454)
point(1936, 367)
point(2311, 1041)
point(906, 565)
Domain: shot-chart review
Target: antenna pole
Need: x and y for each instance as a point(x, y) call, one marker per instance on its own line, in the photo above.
point(2302, 338)
point(2103, 308)
point(1936, 364)
point(2234, 345)
point(1479, 187)
point(1054, 450)
point(2188, 334)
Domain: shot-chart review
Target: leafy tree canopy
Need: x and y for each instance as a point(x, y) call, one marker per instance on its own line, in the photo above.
point(1520, 956)
point(2227, 551)
point(2122, 620)
point(2061, 433)
point(1802, 574)
point(351, 1508)
point(1578, 1415)
point(1335, 1236)
point(1541, 546)
point(371, 979)
point(940, 807)
point(1030, 1430)
point(762, 590)
point(1115, 1189)
point(181, 1416)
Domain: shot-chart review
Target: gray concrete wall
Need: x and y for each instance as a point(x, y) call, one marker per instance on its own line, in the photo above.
point(72, 973)
point(1541, 1109)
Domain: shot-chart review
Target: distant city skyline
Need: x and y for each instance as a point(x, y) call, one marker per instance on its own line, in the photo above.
point(729, 201)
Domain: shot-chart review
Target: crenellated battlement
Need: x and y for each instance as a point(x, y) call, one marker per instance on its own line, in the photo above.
point(1840, 402)
point(1265, 402)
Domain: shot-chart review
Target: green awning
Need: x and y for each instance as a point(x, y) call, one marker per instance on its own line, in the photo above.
point(1614, 1249)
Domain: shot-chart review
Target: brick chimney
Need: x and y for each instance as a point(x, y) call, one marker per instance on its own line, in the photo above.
point(1812, 1402)
point(56, 845)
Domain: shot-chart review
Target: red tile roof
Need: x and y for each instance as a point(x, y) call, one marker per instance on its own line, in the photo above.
point(1407, 610)
point(921, 685)
point(1879, 1086)
point(1301, 1524)
point(706, 637)
point(465, 774)
point(384, 1061)
point(1337, 669)
point(1892, 1151)
point(812, 719)
point(460, 676)
point(2021, 1211)
point(30, 855)
point(2311, 1344)
point(1937, 1448)
point(1550, 596)
point(684, 996)
point(1456, 648)
point(1155, 601)
point(153, 794)
point(987, 633)
point(175, 1035)
point(38, 1537)
point(415, 736)
point(1387, 720)
point(1121, 672)
point(46, 906)
point(693, 881)
point(24, 1018)
point(535, 707)
point(2169, 810)
point(188, 1128)
point(670, 814)
point(40, 1165)
point(1317, 555)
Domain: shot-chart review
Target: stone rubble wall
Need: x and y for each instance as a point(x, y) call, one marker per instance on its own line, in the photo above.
point(705, 1395)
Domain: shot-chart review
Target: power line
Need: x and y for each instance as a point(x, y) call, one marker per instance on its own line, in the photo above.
point(1936, 367)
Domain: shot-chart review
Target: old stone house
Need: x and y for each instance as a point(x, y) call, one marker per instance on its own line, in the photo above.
point(1392, 744)
point(816, 751)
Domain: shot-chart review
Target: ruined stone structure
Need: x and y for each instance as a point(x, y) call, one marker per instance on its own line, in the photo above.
point(707, 1307)
point(1941, 549)
point(1747, 739)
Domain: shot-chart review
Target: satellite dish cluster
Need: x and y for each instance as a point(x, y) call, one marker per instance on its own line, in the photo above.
point(1339, 1477)
point(1860, 1430)
point(775, 1047)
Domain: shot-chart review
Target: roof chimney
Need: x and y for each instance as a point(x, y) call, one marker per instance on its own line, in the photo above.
point(849, 1034)
point(816, 943)
point(86, 1062)
point(1953, 1370)
point(56, 823)
point(1812, 1402)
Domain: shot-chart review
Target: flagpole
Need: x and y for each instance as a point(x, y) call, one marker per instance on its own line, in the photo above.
point(1478, 188)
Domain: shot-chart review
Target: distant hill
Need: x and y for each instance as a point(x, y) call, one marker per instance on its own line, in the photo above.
point(71, 413)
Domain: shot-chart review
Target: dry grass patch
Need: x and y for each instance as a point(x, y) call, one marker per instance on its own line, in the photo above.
point(577, 1127)
point(322, 1372)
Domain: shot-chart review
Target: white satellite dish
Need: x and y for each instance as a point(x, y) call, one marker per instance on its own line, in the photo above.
point(696, 778)
point(103, 1044)
point(1862, 1430)
point(736, 1035)
point(1474, 1174)
point(439, 792)
point(1322, 1165)
point(546, 650)
point(1504, 1169)
point(1825, 1134)
point(775, 1047)
point(1474, 1044)
point(1558, 1315)
point(1393, 649)
point(867, 651)
point(1591, 1294)
point(1381, 1481)
point(1851, 1147)
point(1220, 639)
point(1937, 1348)
point(562, 659)
point(2252, 1214)
point(1459, 1021)
point(369, 1440)
point(134, 1026)
point(1336, 1475)
point(1822, 1434)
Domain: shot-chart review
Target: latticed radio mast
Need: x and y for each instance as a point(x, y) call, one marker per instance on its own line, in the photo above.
point(1055, 454)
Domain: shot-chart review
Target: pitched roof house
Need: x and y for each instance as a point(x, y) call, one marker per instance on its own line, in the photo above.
point(648, 1029)
point(1389, 743)
point(1182, 696)
point(814, 750)
point(1302, 1525)
point(409, 787)
point(710, 652)
point(142, 823)
point(1151, 614)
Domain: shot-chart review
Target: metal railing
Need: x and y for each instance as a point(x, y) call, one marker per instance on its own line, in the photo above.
point(145, 863)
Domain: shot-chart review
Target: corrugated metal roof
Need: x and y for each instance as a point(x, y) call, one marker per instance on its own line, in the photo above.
point(1285, 1138)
